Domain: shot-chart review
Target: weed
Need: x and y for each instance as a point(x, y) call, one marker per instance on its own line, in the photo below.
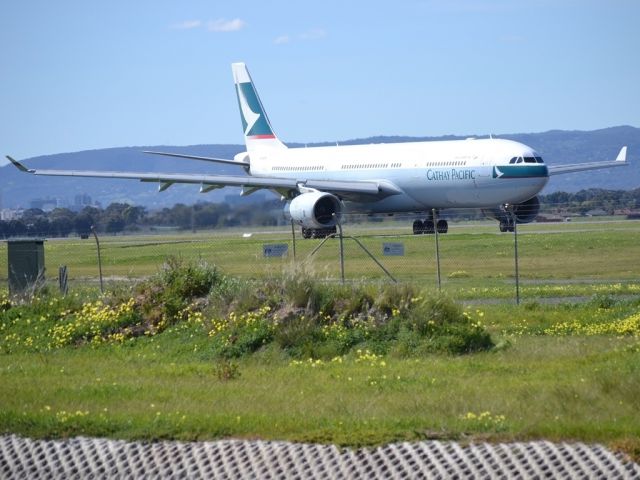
point(227, 370)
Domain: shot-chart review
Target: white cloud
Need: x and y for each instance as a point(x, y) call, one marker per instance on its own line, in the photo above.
point(224, 25)
point(186, 25)
point(282, 39)
point(313, 34)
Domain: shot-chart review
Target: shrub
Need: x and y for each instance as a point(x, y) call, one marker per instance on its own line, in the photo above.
point(163, 297)
point(439, 325)
point(241, 335)
point(226, 371)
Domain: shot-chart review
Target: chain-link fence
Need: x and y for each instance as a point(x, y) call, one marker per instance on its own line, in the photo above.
point(473, 260)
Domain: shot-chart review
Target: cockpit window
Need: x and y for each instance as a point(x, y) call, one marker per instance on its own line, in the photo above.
point(526, 160)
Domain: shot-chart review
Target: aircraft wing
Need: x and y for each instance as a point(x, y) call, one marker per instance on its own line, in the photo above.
point(361, 190)
point(620, 161)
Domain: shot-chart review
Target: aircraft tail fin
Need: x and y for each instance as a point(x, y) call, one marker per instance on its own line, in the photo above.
point(258, 133)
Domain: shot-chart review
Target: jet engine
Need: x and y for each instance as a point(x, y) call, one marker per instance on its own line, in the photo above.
point(524, 212)
point(527, 212)
point(315, 210)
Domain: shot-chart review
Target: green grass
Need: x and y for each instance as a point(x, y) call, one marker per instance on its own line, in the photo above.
point(556, 260)
point(561, 372)
point(580, 388)
point(567, 253)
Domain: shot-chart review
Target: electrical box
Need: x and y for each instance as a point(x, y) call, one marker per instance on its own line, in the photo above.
point(26, 264)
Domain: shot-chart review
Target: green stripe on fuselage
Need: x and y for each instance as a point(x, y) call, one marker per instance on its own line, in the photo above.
point(520, 171)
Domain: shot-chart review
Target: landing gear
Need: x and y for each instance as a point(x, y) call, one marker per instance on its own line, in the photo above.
point(427, 226)
point(318, 232)
point(506, 226)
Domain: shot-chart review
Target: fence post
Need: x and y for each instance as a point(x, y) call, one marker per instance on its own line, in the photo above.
point(293, 235)
point(434, 214)
point(341, 247)
point(93, 230)
point(515, 249)
point(63, 280)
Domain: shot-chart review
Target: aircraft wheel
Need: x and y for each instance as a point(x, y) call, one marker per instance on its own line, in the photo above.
point(504, 227)
point(429, 227)
point(443, 226)
point(418, 227)
point(306, 233)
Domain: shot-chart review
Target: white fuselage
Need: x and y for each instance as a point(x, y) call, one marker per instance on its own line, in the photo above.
point(437, 174)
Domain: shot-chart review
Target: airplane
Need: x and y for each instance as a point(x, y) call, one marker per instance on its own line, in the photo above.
point(318, 185)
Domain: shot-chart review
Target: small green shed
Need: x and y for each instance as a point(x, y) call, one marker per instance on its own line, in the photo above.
point(26, 264)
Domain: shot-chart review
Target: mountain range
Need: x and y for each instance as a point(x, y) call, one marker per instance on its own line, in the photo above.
point(556, 147)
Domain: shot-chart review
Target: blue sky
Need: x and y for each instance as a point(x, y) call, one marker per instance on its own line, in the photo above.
point(78, 75)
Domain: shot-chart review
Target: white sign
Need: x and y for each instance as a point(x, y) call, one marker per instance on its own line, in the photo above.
point(275, 250)
point(393, 249)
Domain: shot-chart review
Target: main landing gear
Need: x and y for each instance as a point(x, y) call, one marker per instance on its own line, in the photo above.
point(318, 232)
point(506, 225)
point(429, 226)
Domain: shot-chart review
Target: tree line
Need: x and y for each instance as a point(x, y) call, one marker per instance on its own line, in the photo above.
point(122, 217)
point(583, 201)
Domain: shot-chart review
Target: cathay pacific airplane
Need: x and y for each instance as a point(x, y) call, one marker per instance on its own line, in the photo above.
point(318, 185)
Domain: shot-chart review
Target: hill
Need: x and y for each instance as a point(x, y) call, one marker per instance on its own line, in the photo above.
point(555, 146)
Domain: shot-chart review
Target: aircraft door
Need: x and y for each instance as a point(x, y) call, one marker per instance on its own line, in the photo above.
point(483, 172)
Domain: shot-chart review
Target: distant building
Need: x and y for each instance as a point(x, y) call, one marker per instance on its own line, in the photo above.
point(7, 214)
point(82, 200)
point(45, 204)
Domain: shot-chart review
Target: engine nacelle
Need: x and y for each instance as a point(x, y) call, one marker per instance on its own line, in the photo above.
point(525, 212)
point(315, 210)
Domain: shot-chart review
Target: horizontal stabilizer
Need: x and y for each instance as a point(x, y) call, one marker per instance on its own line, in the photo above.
point(226, 161)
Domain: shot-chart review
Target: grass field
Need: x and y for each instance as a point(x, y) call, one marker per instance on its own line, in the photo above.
point(542, 382)
point(558, 371)
point(556, 260)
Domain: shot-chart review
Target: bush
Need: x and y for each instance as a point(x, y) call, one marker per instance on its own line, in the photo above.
point(163, 297)
point(315, 320)
point(241, 335)
point(188, 279)
point(438, 325)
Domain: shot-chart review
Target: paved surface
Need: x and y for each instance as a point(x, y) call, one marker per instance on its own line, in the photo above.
point(100, 458)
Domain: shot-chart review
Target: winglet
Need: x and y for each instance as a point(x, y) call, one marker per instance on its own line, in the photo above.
point(19, 166)
point(622, 156)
